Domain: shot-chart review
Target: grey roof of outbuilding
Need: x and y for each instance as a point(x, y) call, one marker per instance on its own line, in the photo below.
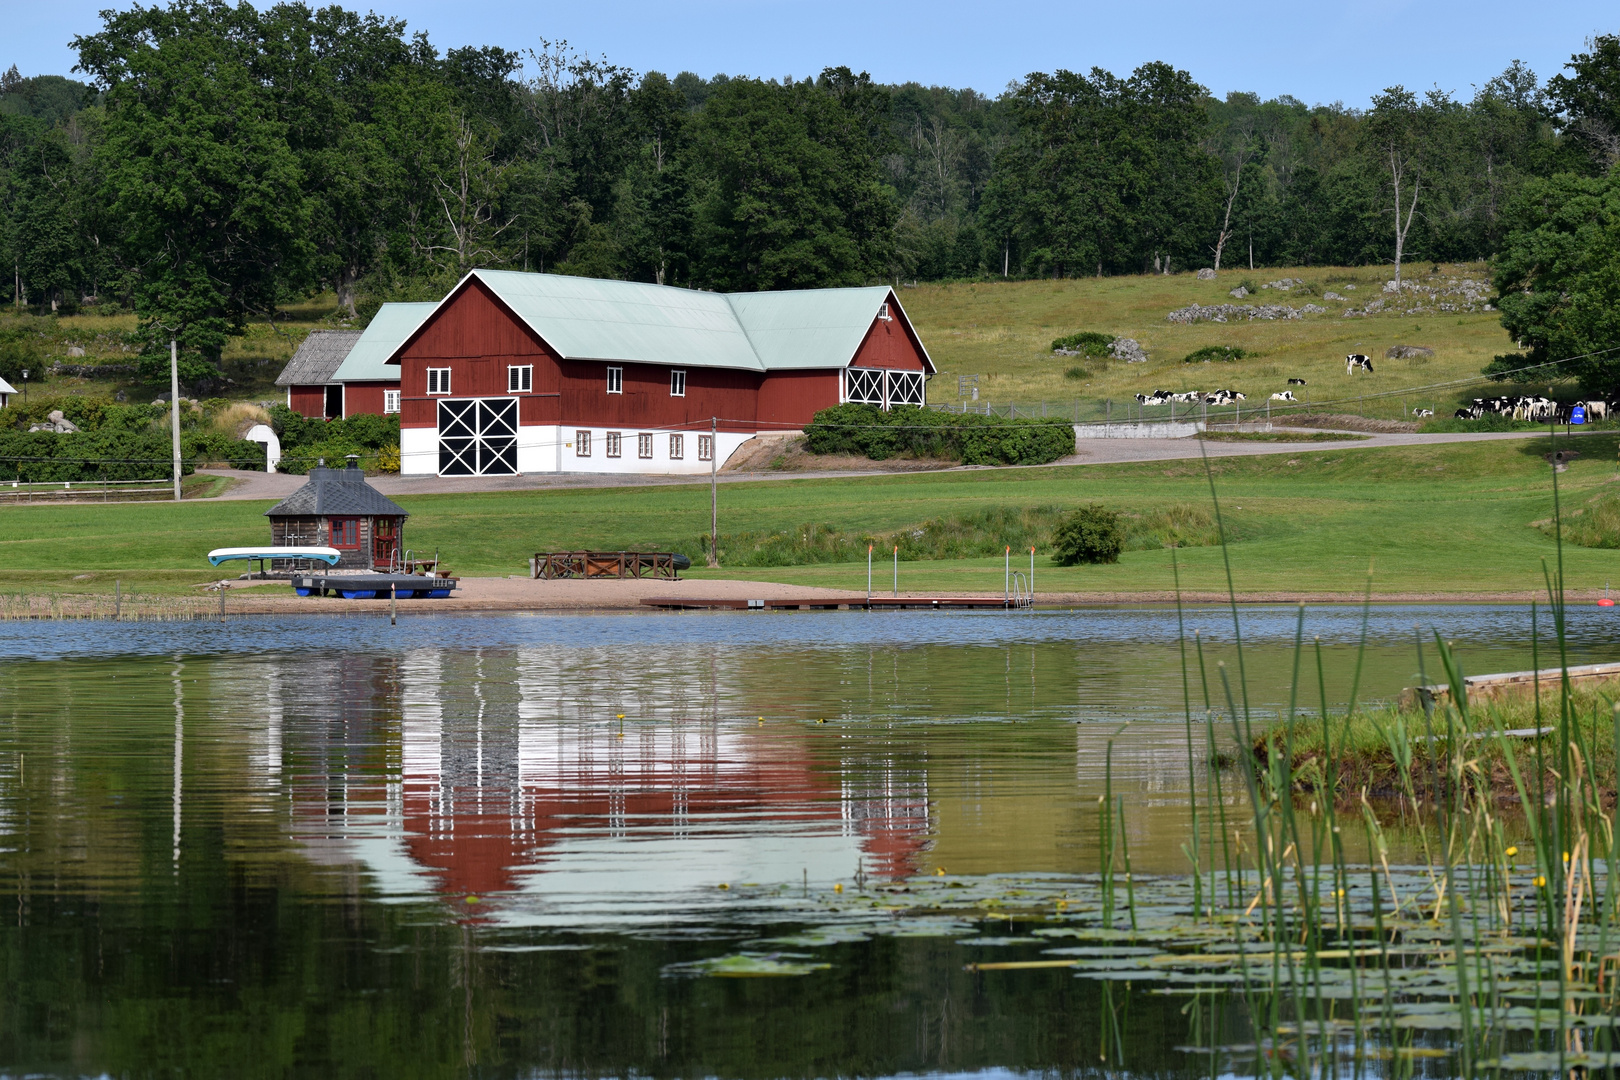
point(336, 493)
point(318, 357)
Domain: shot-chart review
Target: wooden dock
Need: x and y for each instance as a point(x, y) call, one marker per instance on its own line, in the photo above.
point(1513, 684)
point(858, 603)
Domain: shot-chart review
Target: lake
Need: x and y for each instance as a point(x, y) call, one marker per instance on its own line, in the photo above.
point(506, 846)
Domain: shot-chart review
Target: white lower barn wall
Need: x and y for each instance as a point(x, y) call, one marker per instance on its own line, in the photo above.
point(549, 449)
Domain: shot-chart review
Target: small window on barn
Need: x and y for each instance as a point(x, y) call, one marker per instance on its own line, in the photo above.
point(705, 447)
point(520, 379)
point(883, 313)
point(390, 401)
point(615, 383)
point(644, 446)
point(582, 444)
point(677, 384)
point(677, 447)
point(438, 380)
point(615, 444)
point(346, 532)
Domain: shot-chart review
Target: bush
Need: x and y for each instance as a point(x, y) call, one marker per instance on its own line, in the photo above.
point(1221, 353)
point(306, 440)
point(972, 439)
point(44, 456)
point(1089, 535)
point(1087, 343)
point(1077, 372)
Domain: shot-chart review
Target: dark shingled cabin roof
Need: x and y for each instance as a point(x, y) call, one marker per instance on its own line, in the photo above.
point(336, 493)
point(318, 357)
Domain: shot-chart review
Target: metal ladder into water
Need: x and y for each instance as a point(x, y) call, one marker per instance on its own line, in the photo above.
point(1022, 593)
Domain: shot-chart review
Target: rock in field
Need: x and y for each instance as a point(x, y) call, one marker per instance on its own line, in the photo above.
point(1240, 292)
point(1206, 274)
point(1408, 352)
point(1128, 350)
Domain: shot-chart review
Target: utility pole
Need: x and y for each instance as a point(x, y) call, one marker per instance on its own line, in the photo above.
point(174, 410)
point(714, 491)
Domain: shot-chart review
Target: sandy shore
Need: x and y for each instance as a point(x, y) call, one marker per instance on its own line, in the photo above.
point(515, 594)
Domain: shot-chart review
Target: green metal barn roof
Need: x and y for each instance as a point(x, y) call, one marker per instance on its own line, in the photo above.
point(593, 319)
point(368, 358)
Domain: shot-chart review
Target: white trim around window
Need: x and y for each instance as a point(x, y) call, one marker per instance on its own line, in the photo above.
point(615, 380)
point(438, 380)
point(677, 383)
point(390, 402)
point(519, 378)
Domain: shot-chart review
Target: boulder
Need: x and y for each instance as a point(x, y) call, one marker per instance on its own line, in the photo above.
point(1206, 274)
point(1331, 295)
point(1408, 352)
point(75, 350)
point(1240, 292)
point(1128, 350)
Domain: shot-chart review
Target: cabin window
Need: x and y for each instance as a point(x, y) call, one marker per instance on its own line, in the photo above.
point(615, 383)
point(520, 379)
point(345, 532)
point(705, 447)
point(677, 447)
point(438, 380)
point(677, 384)
point(883, 313)
point(615, 444)
point(390, 401)
point(582, 444)
point(863, 385)
point(644, 446)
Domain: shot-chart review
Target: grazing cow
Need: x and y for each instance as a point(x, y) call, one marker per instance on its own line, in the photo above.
point(1358, 360)
point(1596, 410)
point(1465, 414)
point(1422, 412)
point(1296, 382)
point(1286, 395)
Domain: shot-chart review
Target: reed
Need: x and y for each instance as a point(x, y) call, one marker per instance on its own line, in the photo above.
point(125, 606)
point(1521, 971)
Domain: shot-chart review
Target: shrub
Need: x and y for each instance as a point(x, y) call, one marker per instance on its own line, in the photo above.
point(1222, 353)
point(1087, 343)
point(1077, 372)
point(111, 454)
point(1089, 535)
point(972, 439)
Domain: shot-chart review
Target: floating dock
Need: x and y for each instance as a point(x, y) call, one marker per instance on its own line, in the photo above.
point(858, 603)
point(373, 586)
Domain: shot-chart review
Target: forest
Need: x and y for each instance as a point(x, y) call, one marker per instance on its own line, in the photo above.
point(217, 161)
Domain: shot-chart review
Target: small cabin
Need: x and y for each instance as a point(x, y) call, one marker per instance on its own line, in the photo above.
point(338, 509)
point(6, 390)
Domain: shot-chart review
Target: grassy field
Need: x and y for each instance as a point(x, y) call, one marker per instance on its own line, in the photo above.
point(1003, 333)
point(1455, 518)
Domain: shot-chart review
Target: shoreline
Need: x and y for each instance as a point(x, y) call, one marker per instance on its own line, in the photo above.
point(513, 595)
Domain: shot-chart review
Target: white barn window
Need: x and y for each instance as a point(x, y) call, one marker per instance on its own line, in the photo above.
point(705, 447)
point(864, 385)
point(905, 388)
point(677, 383)
point(438, 380)
point(615, 380)
point(677, 447)
point(615, 444)
point(520, 378)
point(390, 401)
point(644, 446)
point(582, 444)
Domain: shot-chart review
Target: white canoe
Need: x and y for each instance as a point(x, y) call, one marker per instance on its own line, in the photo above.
point(329, 556)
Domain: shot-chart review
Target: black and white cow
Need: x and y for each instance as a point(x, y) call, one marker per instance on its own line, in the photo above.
point(1358, 360)
point(1422, 412)
point(1296, 382)
point(1286, 395)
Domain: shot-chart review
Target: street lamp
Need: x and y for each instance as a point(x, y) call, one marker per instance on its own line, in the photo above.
point(25, 384)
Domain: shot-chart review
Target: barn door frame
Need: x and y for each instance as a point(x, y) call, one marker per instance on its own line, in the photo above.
point(477, 436)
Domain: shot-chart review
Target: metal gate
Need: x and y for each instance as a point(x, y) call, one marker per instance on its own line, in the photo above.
point(478, 437)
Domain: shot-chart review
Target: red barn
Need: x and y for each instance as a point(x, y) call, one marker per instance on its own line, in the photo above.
point(526, 373)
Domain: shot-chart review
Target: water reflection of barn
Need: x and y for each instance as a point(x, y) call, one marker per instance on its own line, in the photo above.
point(337, 508)
point(495, 784)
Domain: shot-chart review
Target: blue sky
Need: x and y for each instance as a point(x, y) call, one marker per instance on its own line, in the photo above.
point(1318, 51)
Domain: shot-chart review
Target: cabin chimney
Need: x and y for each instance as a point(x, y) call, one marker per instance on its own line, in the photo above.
point(353, 460)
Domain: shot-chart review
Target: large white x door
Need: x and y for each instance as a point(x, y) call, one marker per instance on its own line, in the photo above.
point(478, 437)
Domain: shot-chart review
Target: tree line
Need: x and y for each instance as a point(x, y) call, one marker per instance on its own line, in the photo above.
point(219, 162)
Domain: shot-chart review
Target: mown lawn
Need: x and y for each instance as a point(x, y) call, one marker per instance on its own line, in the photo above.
point(1453, 518)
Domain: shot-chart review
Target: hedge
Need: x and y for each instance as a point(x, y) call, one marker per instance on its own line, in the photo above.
point(45, 456)
point(972, 439)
